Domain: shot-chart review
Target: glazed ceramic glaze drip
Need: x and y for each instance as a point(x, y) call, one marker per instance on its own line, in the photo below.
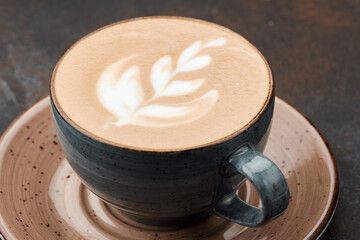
point(162, 83)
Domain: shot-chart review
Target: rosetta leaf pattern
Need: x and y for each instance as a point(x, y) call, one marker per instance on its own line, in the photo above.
point(129, 88)
point(189, 52)
point(120, 91)
point(178, 88)
point(161, 74)
point(195, 64)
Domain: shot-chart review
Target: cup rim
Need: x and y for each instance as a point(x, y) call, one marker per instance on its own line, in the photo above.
point(68, 120)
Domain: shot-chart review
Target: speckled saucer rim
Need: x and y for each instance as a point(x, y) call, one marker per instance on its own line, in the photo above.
point(335, 193)
point(335, 196)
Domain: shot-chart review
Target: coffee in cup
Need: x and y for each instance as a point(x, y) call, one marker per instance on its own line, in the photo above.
point(163, 117)
point(162, 83)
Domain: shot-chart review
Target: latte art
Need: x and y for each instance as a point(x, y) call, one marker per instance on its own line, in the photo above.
point(121, 93)
point(161, 83)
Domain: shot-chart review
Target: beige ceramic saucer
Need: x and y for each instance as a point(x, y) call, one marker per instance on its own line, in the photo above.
point(41, 197)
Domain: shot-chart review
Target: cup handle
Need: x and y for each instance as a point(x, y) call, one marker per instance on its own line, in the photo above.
point(268, 181)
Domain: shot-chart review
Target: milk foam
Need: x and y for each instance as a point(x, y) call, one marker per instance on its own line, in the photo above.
point(120, 91)
point(161, 83)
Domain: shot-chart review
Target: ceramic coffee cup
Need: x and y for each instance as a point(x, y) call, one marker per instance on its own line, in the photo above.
point(172, 186)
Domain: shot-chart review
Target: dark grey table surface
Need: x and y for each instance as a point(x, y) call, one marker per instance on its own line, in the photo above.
point(313, 48)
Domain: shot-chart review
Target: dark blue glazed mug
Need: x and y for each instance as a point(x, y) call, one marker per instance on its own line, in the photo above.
point(167, 188)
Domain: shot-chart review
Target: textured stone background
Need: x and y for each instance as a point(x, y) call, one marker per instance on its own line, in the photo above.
point(312, 46)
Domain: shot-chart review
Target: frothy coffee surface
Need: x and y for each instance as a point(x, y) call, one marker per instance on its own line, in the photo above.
point(162, 83)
